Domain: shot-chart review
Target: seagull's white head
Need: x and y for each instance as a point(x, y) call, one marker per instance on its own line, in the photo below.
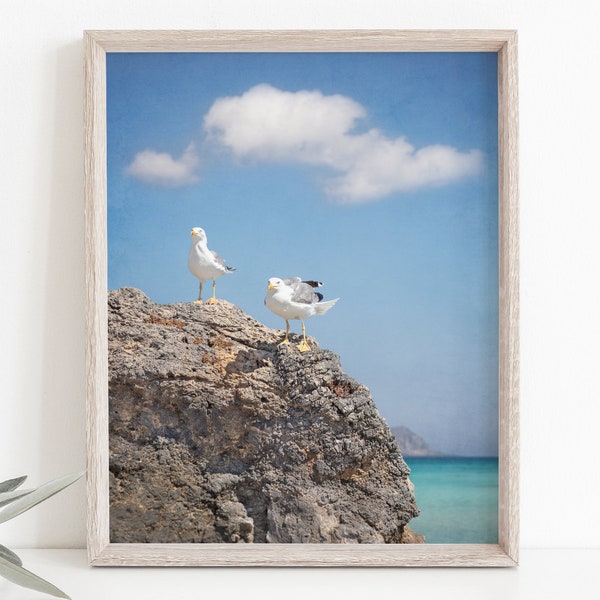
point(198, 234)
point(274, 283)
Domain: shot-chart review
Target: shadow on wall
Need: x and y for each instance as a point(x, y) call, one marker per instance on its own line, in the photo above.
point(61, 291)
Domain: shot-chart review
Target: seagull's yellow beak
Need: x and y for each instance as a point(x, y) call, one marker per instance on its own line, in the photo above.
point(192, 232)
point(270, 287)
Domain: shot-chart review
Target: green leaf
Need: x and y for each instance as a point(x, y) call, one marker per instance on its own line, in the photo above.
point(25, 578)
point(10, 555)
point(12, 484)
point(36, 496)
point(8, 497)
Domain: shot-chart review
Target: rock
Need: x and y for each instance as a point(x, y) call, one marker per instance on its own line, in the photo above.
point(217, 434)
point(412, 537)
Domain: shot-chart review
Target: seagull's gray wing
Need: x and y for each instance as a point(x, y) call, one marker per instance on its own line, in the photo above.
point(303, 290)
point(221, 261)
point(292, 281)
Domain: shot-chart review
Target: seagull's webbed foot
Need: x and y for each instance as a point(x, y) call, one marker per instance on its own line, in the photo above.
point(303, 345)
point(212, 300)
point(199, 301)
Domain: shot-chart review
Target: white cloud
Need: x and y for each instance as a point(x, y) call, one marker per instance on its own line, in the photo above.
point(271, 124)
point(160, 168)
point(268, 124)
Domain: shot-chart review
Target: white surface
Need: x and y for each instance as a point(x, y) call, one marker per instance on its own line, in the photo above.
point(544, 574)
point(42, 268)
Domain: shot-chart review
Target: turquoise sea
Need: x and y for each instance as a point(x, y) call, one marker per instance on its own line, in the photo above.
point(458, 499)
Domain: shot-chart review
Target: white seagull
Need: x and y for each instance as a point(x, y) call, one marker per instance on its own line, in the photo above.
point(293, 298)
point(205, 264)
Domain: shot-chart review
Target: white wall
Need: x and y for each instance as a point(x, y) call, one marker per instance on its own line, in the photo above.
point(41, 235)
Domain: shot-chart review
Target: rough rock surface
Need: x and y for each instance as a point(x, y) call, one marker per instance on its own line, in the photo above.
point(217, 434)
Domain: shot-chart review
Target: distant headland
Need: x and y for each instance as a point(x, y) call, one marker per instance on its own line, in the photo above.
point(411, 444)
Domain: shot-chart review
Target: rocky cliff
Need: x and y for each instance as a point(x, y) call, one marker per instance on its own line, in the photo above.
point(217, 434)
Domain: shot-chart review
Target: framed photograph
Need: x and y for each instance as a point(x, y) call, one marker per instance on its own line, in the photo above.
point(302, 298)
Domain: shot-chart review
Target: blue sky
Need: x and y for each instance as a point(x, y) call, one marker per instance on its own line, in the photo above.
point(375, 173)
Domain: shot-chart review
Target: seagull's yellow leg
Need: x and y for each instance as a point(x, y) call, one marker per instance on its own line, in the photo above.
point(303, 345)
point(199, 301)
point(213, 298)
point(287, 330)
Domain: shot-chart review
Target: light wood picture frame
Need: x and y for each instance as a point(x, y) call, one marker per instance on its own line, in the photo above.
point(104, 553)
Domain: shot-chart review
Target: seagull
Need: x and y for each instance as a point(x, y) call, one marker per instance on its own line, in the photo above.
point(293, 298)
point(205, 264)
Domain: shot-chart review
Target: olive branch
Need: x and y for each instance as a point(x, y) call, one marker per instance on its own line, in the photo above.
point(13, 502)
